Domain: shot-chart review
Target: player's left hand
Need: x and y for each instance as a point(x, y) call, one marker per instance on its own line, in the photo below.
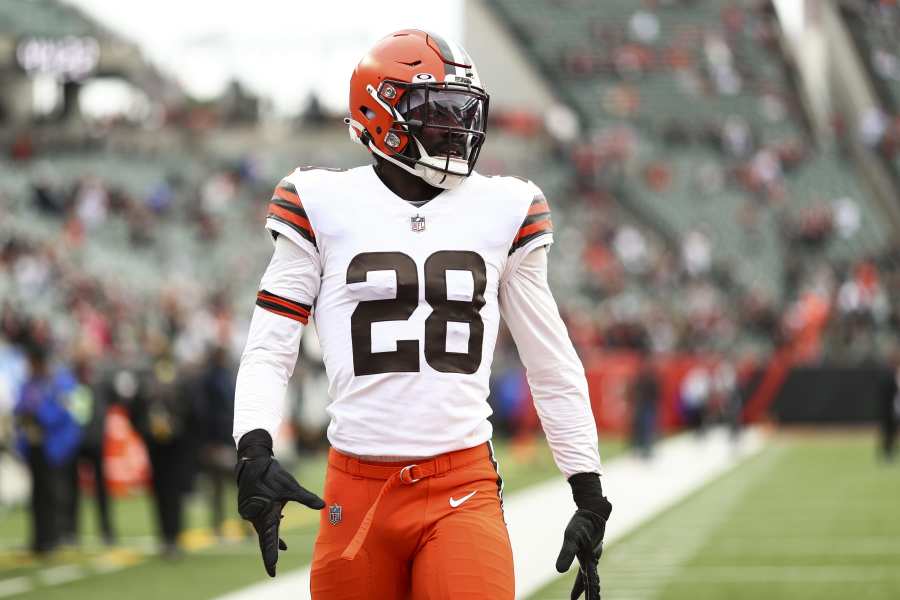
point(583, 538)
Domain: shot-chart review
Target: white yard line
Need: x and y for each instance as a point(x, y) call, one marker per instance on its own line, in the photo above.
point(16, 585)
point(812, 546)
point(142, 543)
point(538, 515)
point(767, 574)
point(15, 482)
point(62, 574)
point(105, 567)
point(57, 576)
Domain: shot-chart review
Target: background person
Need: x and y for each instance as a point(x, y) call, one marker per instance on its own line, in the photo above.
point(645, 400)
point(48, 439)
point(216, 418)
point(88, 405)
point(161, 412)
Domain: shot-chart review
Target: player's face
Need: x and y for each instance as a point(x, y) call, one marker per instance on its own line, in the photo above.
point(447, 119)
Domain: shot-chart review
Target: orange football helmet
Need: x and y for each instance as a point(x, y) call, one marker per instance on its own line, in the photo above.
point(416, 101)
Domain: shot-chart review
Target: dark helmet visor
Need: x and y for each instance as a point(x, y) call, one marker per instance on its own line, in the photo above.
point(445, 121)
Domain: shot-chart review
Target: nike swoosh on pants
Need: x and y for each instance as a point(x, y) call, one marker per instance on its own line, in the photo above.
point(454, 503)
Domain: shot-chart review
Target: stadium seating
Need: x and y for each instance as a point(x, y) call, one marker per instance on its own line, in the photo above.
point(828, 174)
point(874, 27)
point(666, 76)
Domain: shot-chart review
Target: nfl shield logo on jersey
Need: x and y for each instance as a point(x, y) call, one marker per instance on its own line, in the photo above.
point(334, 514)
point(417, 223)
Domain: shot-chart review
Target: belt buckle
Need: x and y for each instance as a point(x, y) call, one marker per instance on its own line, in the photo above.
point(406, 477)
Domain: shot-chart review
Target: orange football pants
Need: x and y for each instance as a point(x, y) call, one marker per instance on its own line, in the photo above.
point(429, 531)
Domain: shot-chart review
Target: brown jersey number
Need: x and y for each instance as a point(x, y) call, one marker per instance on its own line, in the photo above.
point(405, 358)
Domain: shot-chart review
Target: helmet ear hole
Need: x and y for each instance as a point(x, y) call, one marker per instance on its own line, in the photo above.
point(367, 112)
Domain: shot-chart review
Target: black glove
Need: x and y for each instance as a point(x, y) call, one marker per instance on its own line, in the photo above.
point(264, 487)
point(584, 535)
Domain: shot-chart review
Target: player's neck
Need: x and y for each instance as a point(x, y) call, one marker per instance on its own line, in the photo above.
point(406, 185)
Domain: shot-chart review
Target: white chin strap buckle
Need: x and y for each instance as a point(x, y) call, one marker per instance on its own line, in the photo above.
point(432, 170)
point(439, 179)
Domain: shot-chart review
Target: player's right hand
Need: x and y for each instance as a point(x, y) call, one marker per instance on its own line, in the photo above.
point(264, 487)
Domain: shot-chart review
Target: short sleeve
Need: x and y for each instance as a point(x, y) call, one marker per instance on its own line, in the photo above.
point(535, 231)
point(288, 217)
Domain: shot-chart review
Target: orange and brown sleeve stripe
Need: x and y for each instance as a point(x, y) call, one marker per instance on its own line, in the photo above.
point(537, 223)
point(286, 207)
point(282, 306)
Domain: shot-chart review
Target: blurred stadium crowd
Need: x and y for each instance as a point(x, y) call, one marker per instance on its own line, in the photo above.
point(697, 127)
point(696, 215)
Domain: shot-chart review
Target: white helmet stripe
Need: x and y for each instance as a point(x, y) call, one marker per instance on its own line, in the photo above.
point(446, 53)
point(459, 54)
point(455, 54)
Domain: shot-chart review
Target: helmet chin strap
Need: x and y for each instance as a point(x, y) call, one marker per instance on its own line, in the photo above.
point(355, 129)
point(433, 175)
point(429, 175)
point(439, 179)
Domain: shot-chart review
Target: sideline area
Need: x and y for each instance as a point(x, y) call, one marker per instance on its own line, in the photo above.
point(537, 515)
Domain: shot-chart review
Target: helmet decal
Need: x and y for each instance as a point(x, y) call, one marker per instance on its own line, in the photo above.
point(388, 92)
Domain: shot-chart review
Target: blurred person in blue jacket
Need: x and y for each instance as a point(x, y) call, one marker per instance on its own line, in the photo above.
point(47, 438)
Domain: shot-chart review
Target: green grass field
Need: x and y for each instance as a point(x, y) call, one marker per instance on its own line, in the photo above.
point(210, 567)
point(812, 517)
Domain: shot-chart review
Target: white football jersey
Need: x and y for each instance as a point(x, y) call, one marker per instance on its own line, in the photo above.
point(407, 310)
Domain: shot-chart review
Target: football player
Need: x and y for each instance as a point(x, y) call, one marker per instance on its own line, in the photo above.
point(408, 266)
